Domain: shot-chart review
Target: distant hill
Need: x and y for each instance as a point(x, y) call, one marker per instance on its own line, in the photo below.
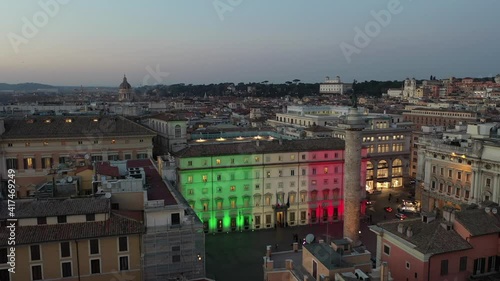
point(24, 87)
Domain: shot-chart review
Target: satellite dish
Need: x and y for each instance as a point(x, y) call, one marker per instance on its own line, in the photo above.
point(309, 238)
point(69, 179)
point(87, 156)
point(107, 195)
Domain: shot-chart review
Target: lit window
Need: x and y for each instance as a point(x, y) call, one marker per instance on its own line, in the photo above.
point(232, 188)
point(190, 179)
point(325, 169)
point(69, 120)
point(217, 161)
point(204, 178)
point(257, 159)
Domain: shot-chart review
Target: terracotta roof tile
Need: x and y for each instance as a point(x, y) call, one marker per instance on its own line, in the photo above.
point(80, 126)
point(429, 238)
point(263, 147)
point(114, 226)
point(29, 208)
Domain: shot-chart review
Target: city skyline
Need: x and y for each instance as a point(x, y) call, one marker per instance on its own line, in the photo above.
point(69, 43)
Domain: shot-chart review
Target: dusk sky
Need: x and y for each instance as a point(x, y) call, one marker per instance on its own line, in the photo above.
point(95, 42)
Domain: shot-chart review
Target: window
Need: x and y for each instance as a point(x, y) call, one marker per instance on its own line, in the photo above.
point(463, 263)
point(459, 175)
point(314, 171)
point(303, 215)
point(441, 171)
point(217, 161)
point(433, 169)
point(123, 244)
point(325, 170)
point(204, 178)
point(488, 182)
point(257, 174)
point(190, 179)
point(450, 173)
point(61, 219)
point(65, 250)
point(190, 163)
point(11, 163)
point(257, 159)
point(177, 131)
point(407, 265)
point(95, 266)
point(292, 172)
point(387, 250)
point(35, 252)
point(303, 157)
point(175, 218)
point(268, 174)
point(176, 258)
point(94, 246)
point(123, 260)
point(444, 267)
point(99, 158)
point(41, 220)
point(36, 272)
point(292, 157)
point(66, 269)
point(232, 188)
point(29, 163)
point(303, 172)
point(219, 177)
point(467, 177)
point(326, 155)
point(90, 217)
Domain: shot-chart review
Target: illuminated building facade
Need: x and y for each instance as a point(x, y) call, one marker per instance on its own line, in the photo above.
point(35, 145)
point(264, 184)
point(387, 140)
point(459, 168)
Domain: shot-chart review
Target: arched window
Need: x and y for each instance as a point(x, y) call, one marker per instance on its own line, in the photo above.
point(382, 164)
point(397, 163)
point(369, 165)
point(177, 131)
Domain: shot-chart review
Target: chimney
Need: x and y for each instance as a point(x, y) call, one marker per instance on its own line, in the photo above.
point(409, 232)
point(289, 264)
point(401, 228)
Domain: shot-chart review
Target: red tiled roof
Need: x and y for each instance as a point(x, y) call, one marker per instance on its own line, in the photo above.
point(28, 208)
point(114, 226)
point(135, 215)
point(104, 168)
point(159, 189)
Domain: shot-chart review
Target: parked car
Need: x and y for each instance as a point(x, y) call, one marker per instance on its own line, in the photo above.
point(401, 216)
point(388, 209)
point(369, 203)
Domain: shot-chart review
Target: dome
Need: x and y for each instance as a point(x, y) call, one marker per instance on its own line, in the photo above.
point(125, 84)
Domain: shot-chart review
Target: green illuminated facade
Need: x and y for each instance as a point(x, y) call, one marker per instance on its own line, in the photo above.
point(255, 185)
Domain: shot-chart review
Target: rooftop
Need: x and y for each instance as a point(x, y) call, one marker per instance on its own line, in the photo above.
point(262, 147)
point(44, 127)
point(114, 226)
point(326, 255)
point(428, 238)
point(478, 222)
point(30, 208)
point(158, 190)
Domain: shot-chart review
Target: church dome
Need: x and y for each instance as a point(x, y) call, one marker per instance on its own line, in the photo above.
point(125, 84)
